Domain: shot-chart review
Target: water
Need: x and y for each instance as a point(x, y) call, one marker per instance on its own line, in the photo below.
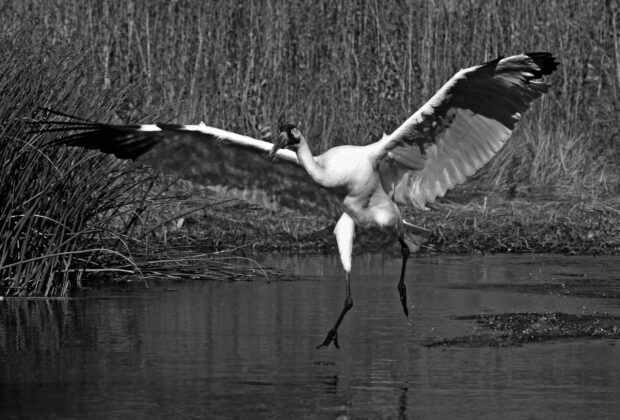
point(202, 349)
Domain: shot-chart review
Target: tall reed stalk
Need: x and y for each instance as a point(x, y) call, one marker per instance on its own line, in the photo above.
point(54, 202)
point(347, 71)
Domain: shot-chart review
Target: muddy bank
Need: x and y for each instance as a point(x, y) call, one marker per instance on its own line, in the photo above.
point(463, 222)
point(515, 329)
point(576, 287)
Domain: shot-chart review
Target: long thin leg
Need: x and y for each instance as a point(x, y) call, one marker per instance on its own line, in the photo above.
point(402, 289)
point(345, 232)
point(332, 335)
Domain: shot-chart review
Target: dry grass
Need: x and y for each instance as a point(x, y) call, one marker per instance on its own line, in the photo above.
point(525, 224)
point(349, 71)
point(345, 71)
point(55, 202)
point(467, 221)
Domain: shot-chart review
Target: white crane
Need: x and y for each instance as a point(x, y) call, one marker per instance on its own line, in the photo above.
point(447, 140)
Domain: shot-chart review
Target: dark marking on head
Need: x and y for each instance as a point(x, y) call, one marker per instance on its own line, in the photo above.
point(292, 133)
point(289, 136)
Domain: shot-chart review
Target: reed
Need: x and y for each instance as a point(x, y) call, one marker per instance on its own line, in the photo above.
point(65, 212)
point(347, 71)
point(55, 202)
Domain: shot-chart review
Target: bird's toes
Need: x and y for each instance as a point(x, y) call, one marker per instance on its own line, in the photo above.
point(332, 336)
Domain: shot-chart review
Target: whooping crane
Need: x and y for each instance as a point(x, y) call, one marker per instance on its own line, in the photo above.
point(447, 140)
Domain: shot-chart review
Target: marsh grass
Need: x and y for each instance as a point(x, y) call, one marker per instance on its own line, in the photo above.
point(346, 71)
point(469, 221)
point(532, 223)
point(54, 201)
point(350, 71)
point(184, 264)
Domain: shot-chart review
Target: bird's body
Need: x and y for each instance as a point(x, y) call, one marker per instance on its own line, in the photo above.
point(447, 140)
point(351, 173)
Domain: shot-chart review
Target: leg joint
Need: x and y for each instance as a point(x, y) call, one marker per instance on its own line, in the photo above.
point(348, 303)
point(405, 251)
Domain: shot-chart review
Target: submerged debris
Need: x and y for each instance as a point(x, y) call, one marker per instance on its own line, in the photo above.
point(582, 287)
point(515, 329)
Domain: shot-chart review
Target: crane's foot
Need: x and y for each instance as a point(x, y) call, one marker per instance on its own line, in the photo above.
point(402, 291)
point(332, 336)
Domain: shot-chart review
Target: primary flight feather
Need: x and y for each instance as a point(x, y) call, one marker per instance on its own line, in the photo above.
point(447, 140)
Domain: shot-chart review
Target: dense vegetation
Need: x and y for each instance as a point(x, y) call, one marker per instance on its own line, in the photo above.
point(53, 201)
point(347, 71)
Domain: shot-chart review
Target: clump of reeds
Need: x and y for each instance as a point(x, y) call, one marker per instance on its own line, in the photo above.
point(346, 71)
point(64, 211)
point(54, 201)
point(350, 71)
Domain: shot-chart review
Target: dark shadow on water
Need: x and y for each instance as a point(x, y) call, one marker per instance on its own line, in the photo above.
point(247, 349)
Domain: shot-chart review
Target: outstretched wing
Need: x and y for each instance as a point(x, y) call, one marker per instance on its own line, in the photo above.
point(201, 153)
point(461, 127)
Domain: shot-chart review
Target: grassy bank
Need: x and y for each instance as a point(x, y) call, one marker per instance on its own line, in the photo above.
point(466, 221)
point(345, 71)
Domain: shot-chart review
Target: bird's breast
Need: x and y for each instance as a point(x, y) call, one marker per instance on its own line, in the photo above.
point(376, 212)
point(381, 222)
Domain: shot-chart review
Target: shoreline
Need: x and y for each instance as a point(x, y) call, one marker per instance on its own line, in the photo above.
point(461, 224)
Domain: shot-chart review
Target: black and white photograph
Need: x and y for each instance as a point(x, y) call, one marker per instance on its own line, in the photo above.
point(270, 209)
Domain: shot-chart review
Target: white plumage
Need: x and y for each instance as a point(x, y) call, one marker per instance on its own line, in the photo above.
point(447, 140)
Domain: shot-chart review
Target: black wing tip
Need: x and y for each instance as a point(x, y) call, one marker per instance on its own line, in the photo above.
point(546, 62)
point(122, 141)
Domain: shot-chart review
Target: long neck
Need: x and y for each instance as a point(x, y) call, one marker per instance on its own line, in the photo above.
point(316, 172)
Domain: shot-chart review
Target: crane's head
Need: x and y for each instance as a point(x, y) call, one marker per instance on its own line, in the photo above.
point(289, 137)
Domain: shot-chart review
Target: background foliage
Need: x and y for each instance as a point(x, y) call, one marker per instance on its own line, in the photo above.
point(345, 70)
point(348, 70)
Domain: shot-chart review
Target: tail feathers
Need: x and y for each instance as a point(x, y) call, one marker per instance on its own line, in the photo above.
point(415, 236)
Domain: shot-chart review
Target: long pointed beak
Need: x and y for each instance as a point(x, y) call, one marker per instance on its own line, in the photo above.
point(277, 145)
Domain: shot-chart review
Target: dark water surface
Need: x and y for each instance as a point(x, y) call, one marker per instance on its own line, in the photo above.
point(201, 349)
